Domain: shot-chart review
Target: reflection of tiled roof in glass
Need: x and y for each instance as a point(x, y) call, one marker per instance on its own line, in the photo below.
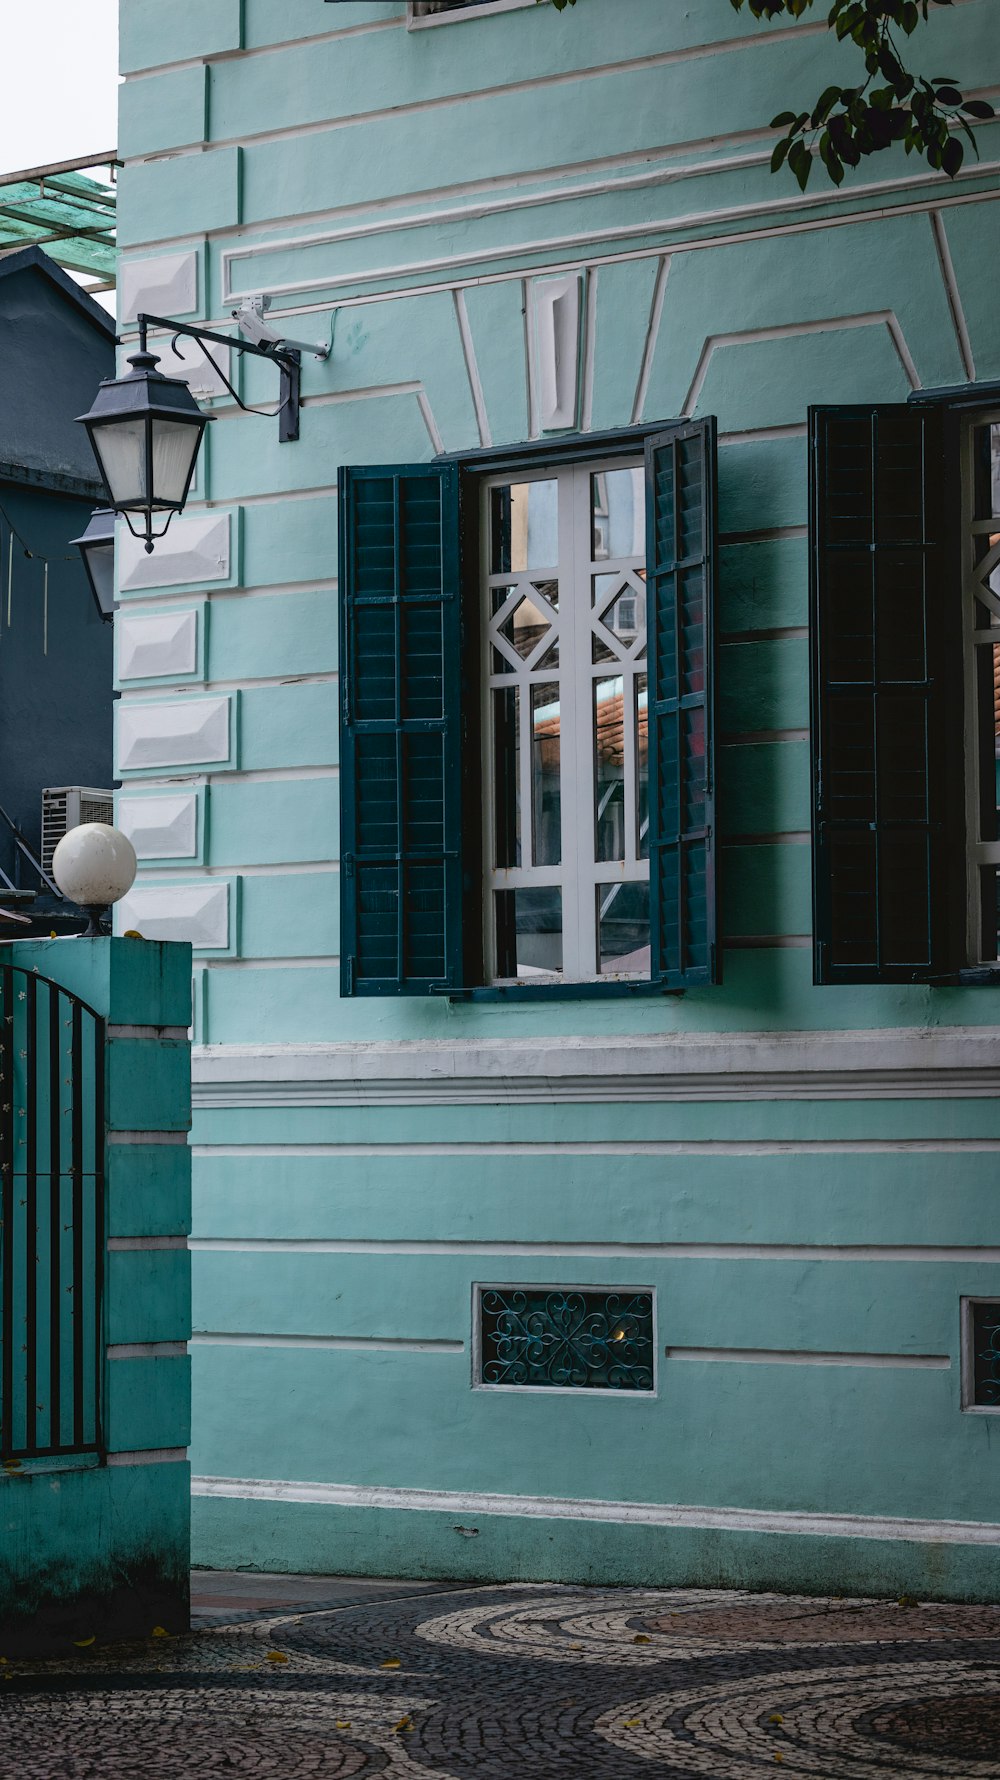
point(69, 210)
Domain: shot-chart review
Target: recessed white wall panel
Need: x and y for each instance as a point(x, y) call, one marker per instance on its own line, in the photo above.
point(161, 827)
point(557, 350)
point(152, 645)
point(198, 913)
point(178, 732)
point(164, 285)
point(197, 547)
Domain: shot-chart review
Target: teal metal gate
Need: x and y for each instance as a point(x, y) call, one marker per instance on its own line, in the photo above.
point(51, 1219)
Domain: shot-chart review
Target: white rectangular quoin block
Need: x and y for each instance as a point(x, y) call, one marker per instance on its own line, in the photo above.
point(193, 362)
point(557, 350)
point(164, 285)
point(161, 827)
point(178, 732)
point(153, 645)
point(197, 547)
point(198, 913)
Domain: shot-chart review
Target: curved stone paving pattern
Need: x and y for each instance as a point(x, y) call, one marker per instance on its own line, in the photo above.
point(528, 1682)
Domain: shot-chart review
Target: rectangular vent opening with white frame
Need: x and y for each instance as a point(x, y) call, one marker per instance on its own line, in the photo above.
point(576, 1338)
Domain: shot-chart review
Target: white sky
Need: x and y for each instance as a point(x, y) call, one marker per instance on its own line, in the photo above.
point(60, 89)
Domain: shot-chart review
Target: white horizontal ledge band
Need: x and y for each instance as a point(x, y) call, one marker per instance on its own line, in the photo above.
point(153, 1455)
point(768, 1356)
point(359, 1343)
point(650, 1514)
point(604, 1251)
point(128, 1245)
point(864, 1065)
point(164, 1032)
point(146, 1350)
point(144, 1137)
point(868, 1146)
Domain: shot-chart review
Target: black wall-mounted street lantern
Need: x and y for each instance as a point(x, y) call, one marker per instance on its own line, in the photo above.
point(145, 428)
point(97, 548)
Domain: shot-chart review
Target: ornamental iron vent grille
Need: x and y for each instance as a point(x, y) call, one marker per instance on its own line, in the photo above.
point(566, 1339)
point(985, 1333)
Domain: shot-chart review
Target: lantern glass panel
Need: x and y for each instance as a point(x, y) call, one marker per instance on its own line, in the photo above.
point(120, 448)
point(175, 444)
point(99, 560)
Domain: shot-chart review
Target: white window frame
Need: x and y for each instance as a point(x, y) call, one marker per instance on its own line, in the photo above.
point(968, 1363)
point(418, 22)
point(579, 874)
point(978, 852)
point(557, 1390)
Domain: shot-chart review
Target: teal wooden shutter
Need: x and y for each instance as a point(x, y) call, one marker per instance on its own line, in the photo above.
point(401, 893)
point(885, 633)
point(681, 532)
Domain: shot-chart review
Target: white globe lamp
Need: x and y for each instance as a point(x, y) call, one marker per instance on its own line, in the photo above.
point(94, 865)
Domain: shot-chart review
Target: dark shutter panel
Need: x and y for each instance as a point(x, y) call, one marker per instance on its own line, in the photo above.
point(401, 893)
point(885, 627)
point(681, 527)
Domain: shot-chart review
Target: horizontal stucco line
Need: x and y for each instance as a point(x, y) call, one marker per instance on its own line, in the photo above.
point(770, 534)
point(754, 738)
point(138, 603)
point(593, 1091)
point(317, 491)
point(151, 1455)
point(140, 690)
point(534, 83)
point(160, 776)
point(767, 942)
point(226, 409)
point(601, 1251)
point(658, 230)
point(355, 1343)
point(161, 1032)
point(131, 1245)
point(184, 868)
point(144, 1137)
point(755, 435)
point(146, 1350)
point(873, 1146)
point(653, 1514)
point(790, 837)
point(324, 962)
point(270, 49)
point(765, 1356)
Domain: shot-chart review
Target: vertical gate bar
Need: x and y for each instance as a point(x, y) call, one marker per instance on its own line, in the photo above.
point(99, 1192)
point(7, 1230)
point(76, 1171)
point(31, 1214)
point(55, 1220)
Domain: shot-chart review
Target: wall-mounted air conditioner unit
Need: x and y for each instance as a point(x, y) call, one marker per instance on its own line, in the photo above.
point(66, 806)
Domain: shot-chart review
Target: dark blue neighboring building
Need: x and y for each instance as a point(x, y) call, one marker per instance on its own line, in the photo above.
point(56, 661)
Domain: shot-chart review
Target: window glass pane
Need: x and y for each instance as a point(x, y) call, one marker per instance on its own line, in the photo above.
point(524, 529)
point(529, 932)
point(618, 508)
point(988, 675)
point(642, 767)
point(986, 458)
point(506, 777)
point(990, 891)
point(623, 928)
point(609, 764)
point(987, 549)
point(546, 800)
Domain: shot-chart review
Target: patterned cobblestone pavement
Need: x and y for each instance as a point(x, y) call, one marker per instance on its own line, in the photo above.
point(291, 1677)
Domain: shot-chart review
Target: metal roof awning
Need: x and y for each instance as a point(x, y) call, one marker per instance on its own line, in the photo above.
point(67, 208)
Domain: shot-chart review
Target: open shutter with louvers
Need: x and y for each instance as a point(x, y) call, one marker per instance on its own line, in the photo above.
point(401, 896)
point(885, 631)
point(681, 528)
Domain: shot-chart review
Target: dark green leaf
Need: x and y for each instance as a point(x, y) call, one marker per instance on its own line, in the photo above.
point(952, 156)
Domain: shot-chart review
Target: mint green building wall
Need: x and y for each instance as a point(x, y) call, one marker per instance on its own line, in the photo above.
point(805, 1175)
point(102, 1549)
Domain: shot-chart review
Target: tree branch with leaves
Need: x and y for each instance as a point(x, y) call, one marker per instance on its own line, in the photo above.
point(892, 104)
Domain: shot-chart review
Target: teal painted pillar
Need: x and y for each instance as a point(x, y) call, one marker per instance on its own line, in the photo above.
point(97, 1543)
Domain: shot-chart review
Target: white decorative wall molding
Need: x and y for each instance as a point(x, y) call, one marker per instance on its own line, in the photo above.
point(161, 827)
point(199, 913)
point(556, 308)
point(175, 732)
point(577, 1508)
point(189, 360)
point(196, 548)
point(164, 284)
point(157, 645)
point(896, 1063)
